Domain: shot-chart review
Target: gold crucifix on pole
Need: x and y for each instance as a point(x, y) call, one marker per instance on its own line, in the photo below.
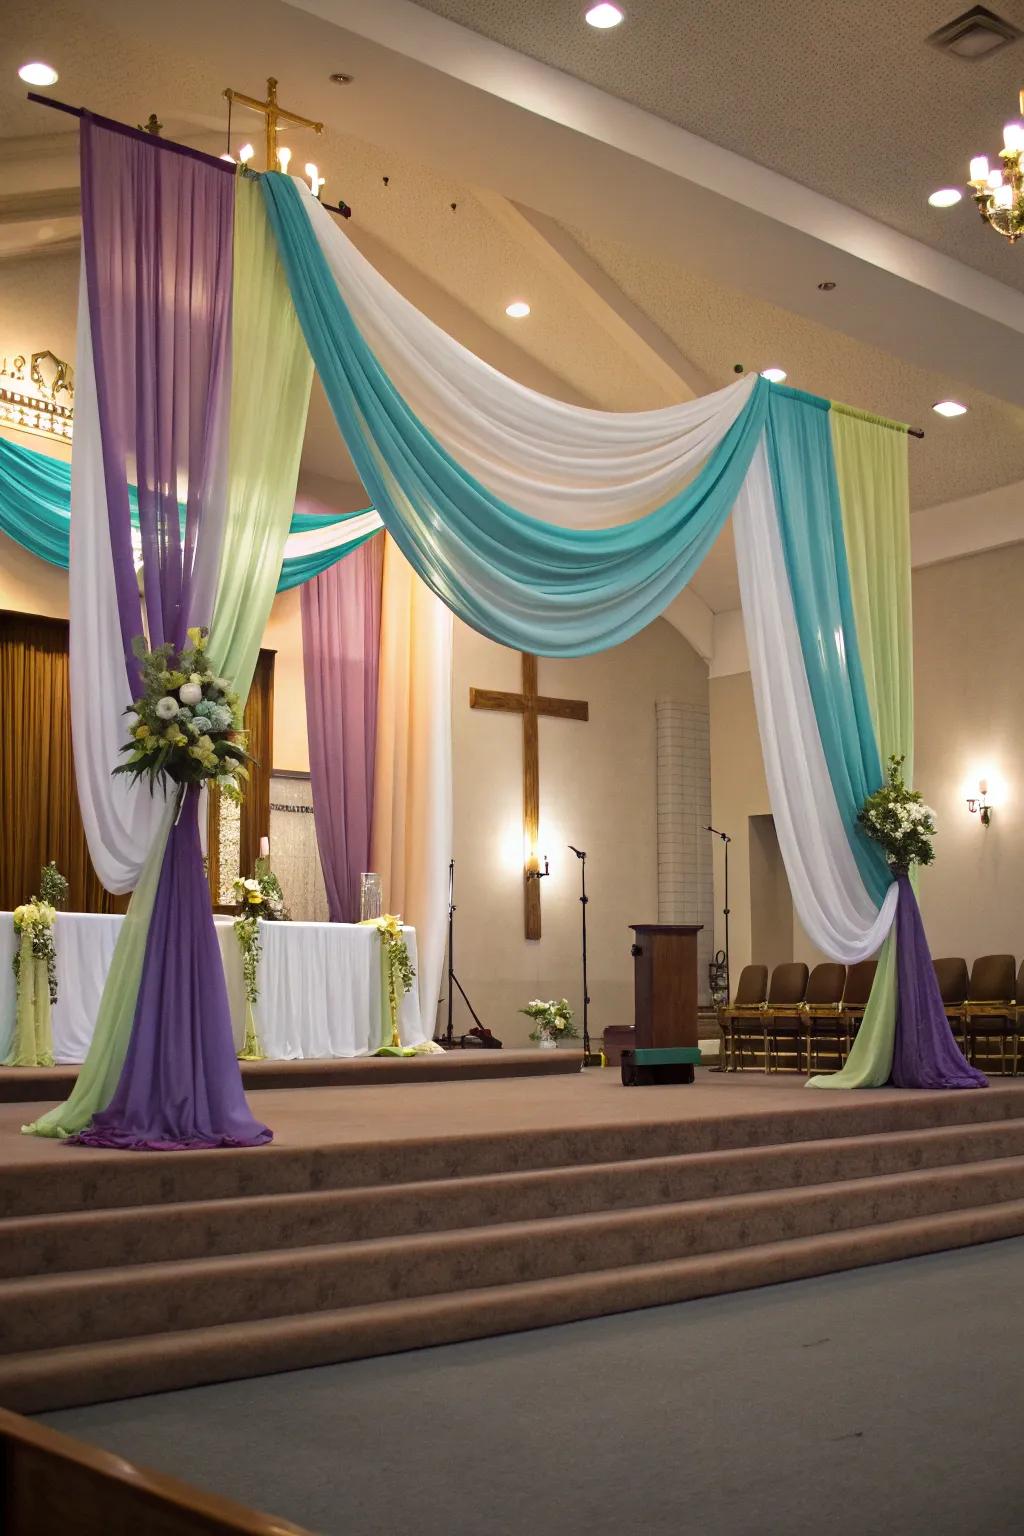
point(531, 706)
point(273, 115)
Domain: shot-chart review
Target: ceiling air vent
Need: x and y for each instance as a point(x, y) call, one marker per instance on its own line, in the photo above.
point(975, 35)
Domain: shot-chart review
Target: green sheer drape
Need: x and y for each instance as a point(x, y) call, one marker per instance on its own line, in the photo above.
point(871, 465)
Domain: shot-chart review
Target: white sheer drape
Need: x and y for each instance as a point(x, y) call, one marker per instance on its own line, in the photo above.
point(120, 822)
point(554, 461)
point(828, 892)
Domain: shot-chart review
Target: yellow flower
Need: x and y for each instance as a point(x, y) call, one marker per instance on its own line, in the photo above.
point(196, 636)
point(175, 679)
point(141, 732)
point(254, 898)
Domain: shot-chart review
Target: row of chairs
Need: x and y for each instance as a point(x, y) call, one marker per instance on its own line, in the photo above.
point(808, 1020)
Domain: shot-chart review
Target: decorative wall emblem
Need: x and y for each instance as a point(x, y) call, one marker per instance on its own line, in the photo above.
point(37, 395)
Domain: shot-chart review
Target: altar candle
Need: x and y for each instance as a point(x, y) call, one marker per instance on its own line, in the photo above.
point(264, 847)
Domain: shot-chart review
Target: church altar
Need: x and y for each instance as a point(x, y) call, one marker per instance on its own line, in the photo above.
point(320, 987)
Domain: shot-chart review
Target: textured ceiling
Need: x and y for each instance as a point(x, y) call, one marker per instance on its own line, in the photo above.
point(717, 328)
point(847, 99)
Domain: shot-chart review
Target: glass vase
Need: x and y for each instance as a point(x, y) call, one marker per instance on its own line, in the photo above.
point(371, 900)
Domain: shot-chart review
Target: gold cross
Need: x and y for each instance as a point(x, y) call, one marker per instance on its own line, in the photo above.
point(530, 705)
point(273, 115)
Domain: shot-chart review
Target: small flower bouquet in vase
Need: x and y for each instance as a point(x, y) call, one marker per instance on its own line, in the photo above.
point(553, 1022)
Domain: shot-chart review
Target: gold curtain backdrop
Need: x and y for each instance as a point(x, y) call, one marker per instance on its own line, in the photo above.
point(40, 818)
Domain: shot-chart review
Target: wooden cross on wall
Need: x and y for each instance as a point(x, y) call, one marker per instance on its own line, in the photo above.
point(531, 706)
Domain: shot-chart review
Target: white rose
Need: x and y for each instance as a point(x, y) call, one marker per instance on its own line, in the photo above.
point(251, 885)
point(190, 693)
point(167, 707)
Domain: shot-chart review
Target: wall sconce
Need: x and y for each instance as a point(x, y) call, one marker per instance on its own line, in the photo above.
point(535, 873)
point(979, 803)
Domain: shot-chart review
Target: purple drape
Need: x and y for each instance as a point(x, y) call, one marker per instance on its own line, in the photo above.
point(926, 1055)
point(157, 228)
point(341, 652)
point(180, 1085)
point(158, 242)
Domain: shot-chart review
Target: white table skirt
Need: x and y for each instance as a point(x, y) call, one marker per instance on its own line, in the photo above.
point(320, 986)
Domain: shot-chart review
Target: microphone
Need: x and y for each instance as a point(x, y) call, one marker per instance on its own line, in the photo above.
point(577, 851)
point(723, 835)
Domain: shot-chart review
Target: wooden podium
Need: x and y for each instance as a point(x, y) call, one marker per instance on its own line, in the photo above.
point(664, 1004)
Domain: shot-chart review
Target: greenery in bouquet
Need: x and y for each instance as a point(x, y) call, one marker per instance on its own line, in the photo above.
point(53, 888)
point(187, 726)
point(34, 920)
point(898, 820)
point(259, 896)
point(552, 1020)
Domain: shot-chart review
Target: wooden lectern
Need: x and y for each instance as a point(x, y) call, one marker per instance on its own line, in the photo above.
point(665, 1004)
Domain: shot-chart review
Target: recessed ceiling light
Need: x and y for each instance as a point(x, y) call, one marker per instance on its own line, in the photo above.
point(826, 287)
point(518, 310)
point(773, 375)
point(604, 15)
point(945, 197)
point(950, 408)
point(38, 74)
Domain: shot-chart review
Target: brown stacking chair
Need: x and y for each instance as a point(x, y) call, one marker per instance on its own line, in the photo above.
point(786, 990)
point(1018, 1017)
point(951, 975)
point(833, 1026)
point(751, 990)
point(860, 978)
point(989, 1010)
point(785, 994)
point(818, 1009)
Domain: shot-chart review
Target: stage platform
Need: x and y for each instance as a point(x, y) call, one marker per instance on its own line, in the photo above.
point(30, 1084)
point(388, 1216)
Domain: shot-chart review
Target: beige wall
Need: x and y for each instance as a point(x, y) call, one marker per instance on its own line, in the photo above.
point(969, 662)
point(598, 790)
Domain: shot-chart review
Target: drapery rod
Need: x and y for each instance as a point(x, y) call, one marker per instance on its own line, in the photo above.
point(132, 133)
point(154, 138)
point(878, 421)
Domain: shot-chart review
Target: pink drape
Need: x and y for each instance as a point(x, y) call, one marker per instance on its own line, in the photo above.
point(341, 656)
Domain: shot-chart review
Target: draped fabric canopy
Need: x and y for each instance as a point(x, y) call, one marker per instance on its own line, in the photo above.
point(35, 511)
point(549, 528)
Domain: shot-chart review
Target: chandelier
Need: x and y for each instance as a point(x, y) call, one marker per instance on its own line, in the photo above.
point(999, 194)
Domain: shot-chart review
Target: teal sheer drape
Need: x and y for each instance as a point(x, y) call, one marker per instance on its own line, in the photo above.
point(525, 583)
point(35, 511)
point(806, 489)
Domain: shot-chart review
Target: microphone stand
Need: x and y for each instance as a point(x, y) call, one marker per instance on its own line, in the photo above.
point(726, 839)
point(590, 1058)
point(453, 980)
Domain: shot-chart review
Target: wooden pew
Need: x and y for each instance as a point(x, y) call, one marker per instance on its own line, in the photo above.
point(49, 1482)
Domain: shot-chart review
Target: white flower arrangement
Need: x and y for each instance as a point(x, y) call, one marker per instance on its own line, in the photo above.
point(898, 819)
point(553, 1019)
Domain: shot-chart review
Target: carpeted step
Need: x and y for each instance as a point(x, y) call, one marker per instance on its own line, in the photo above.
point(86, 1179)
point(99, 1239)
point(101, 1372)
point(45, 1312)
point(20, 1085)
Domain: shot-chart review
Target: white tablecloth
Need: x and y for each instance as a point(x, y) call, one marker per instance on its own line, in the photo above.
point(320, 986)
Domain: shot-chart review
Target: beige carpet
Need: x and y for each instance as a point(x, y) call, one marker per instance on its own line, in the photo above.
point(389, 1217)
